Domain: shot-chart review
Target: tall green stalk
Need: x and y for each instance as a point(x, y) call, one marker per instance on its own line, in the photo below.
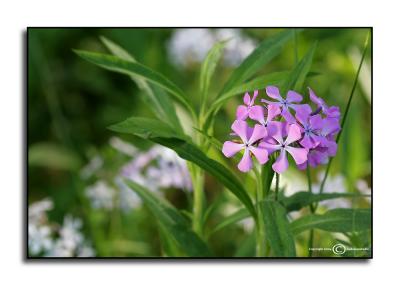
point(261, 248)
point(321, 189)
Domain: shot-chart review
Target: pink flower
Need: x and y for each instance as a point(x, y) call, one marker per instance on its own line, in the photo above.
point(243, 111)
point(329, 111)
point(250, 138)
point(292, 98)
point(277, 143)
point(258, 113)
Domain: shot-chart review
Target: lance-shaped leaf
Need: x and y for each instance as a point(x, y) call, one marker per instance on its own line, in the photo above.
point(277, 229)
point(297, 76)
point(264, 53)
point(303, 199)
point(163, 134)
point(336, 220)
point(208, 68)
point(155, 97)
point(130, 68)
point(231, 219)
point(172, 222)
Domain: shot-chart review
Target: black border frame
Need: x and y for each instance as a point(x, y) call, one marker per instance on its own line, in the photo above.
point(139, 259)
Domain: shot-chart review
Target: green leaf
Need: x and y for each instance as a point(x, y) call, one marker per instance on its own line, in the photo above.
point(277, 227)
point(303, 199)
point(336, 220)
point(260, 82)
point(193, 154)
point(130, 68)
point(208, 68)
point(264, 53)
point(298, 75)
point(267, 174)
point(146, 128)
point(156, 98)
point(232, 219)
point(53, 156)
point(163, 134)
point(172, 221)
point(211, 139)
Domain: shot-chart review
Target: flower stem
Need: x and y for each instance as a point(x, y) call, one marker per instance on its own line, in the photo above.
point(312, 209)
point(261, 247)
point(276, 186)
point(347, 108)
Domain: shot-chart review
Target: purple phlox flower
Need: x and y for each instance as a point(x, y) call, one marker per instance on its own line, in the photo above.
point(265, 115)
point(291, 100)
point(316, 156)
point(329, 111)
point(311, 126)
point(330, 128)
point(299, 154)
point(242, 111)
point(249, 137)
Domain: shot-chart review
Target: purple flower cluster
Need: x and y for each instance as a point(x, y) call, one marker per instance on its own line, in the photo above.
point(285, 125)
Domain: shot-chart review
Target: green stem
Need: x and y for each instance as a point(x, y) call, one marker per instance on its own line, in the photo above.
point(321, 189)
point(312, 209)
point(261, 248)
point(276, 186)
point(198, 183)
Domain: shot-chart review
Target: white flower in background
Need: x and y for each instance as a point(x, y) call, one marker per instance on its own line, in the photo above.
point(45, 240)
point(128, 199)
point(335, 184)
point(39, 232)
point(123, 146)
point(92, 167)
point(71, 241)
point(189, 46)
point(363, 188)
point(238, 47)
point(37, 211)
point(169, 171)
point(101, 195)
point(39, 238)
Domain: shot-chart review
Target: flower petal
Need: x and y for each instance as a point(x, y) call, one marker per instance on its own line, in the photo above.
point(255, 94)
point(242, 112)
point(231, 148)
point(260, 153)
point(270, 147)
point(273, 111)
point(299, 154)
point(287, 115)
point(330, 126)
point(302, 115)
point(273, 92)
point(257, 113)
point(259, 132)
point(277, 134)
point(246, 99)
point(240, 128)
point(294, 134)
point(316, 122)
point(245, 164)
point(307, 142)
point(318, 101)
point(281, 164)
point(293, 96)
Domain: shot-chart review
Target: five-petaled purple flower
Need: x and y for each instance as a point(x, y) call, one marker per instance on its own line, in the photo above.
point(250, 138)
point(243, 111)
point(309, 136)
point(291, 101)
point(277, 143)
